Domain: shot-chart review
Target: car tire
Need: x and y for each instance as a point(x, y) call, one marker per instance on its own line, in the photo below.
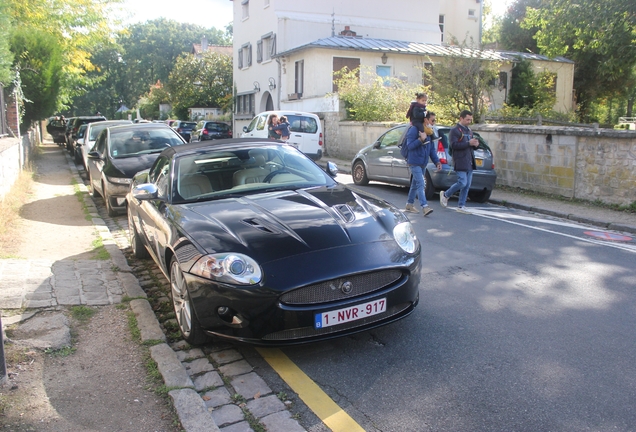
point(93, 192)
point(78, 158)
point(359, 174)
point(480, 196)
point(187, 321)
point(138, 249)
point(111, 212)
point(430, 189)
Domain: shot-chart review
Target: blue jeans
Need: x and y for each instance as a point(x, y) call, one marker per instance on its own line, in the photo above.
point(464, 179)
point(417, 185)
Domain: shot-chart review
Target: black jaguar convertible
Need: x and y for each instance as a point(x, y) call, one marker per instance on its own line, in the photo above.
point(263, 246)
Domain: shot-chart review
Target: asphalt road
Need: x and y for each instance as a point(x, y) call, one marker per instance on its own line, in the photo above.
point(525, 323)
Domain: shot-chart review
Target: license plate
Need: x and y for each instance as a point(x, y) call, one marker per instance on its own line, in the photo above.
point(479, 162)
point(335, 317)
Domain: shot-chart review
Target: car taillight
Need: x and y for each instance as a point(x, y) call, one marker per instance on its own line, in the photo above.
point(204, 131)
point(441, 153)
point(230, 132)
point(320, 139)
point(179, 130)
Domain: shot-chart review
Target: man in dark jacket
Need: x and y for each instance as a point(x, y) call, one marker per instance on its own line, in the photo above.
point(420, 148)
point(462, 142)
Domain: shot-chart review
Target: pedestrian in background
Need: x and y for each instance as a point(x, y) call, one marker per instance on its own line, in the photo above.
point(462, 142)
point(272, 122)
point(420, 149)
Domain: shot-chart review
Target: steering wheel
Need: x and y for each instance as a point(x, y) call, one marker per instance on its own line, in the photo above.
point(270, 176)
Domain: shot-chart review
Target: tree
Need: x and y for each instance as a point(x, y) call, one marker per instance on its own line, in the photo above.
point(149, 104)
point(463, 81)
point(77, 26)
point(369, 97)
point(6, 56)
point(599, 35)
point(38, 60)
point(150, 51)
point(521, 92)
point(201, 82)
point(511, 35)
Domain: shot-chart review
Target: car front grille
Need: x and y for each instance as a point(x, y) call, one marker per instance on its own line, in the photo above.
point(342, 288)
point(307, 332)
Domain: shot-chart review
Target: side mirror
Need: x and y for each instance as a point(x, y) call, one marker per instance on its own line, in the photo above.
point(145, 192)
point(376, 145)
point(93, 155)
point(244, 128)
point(332, 169)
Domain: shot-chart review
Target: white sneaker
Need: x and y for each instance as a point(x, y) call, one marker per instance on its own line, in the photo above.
point(427, 210)
point(463, 209)
point(443, 200)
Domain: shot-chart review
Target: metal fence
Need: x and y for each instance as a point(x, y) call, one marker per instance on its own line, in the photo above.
point(4, 127)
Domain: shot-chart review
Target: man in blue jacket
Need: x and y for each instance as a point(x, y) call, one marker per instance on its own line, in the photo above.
point(420, 149)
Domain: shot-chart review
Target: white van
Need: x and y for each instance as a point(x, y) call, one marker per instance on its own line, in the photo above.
point(306, 131)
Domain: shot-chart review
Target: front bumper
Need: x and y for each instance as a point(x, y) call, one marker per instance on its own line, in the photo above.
point(116, 194)
point(262, 318)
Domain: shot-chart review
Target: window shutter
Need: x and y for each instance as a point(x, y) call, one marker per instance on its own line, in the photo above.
point(249, 55)
point(272, 46)
point(259, 51)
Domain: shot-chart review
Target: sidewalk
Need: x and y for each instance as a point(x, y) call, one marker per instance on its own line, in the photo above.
point(579, 212)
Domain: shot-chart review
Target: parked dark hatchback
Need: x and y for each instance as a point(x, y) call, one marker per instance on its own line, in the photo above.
point(261, 245)
point(382, 161)
point(56, 127)
point(210, 130)
point(77, 122)
point(184, 128)
point(119, 153)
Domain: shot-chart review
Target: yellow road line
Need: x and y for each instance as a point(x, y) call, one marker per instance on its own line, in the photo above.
point(317, 400)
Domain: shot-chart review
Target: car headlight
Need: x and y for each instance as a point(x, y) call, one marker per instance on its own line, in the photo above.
point(405, 237)
point(119, 180)
point(232, 268)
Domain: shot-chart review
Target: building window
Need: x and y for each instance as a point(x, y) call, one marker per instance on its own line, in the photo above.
point(245, 6)
point(245, 56)
point(266, 48)
point(266, 3)
point(341, 62)
point(472, 14)
point(441, 27)
point(299, 77)
point(245, 104)
point(384, 72)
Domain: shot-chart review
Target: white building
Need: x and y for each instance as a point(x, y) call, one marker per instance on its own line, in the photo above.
point(285, 51)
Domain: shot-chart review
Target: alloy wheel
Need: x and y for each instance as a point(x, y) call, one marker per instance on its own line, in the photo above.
point(180, 299)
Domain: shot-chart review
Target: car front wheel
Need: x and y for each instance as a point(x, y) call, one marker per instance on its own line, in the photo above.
point(109, 207)
point(182, 303)
point(360, 174)
point(137, 246)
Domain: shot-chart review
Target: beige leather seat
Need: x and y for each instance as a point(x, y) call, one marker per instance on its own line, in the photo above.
point(192, 182)
point(253, 175)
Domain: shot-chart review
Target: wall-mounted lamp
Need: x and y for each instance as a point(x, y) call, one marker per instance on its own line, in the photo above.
point(272, 83)
point(384, 58)
point(257, 86)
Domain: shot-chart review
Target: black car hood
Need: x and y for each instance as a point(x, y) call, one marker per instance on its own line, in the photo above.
point(129, 166)
point(276, 225)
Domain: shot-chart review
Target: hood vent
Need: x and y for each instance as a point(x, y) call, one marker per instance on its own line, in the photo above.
point(345, 212)
point(261, 225)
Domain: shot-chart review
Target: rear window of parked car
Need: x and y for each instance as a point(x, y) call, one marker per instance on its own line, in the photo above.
point(217, 127)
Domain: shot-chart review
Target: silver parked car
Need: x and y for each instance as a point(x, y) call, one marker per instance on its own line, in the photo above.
point(382, 161)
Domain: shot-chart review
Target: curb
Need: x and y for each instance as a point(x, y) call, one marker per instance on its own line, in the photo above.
point(190, 408)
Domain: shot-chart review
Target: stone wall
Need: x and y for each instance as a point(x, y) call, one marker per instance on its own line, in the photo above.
point(572, 162)
point(15, 154)
point(585, 163)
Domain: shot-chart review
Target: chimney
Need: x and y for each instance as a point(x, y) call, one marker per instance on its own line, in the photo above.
point(347, 32)
point(204, 44)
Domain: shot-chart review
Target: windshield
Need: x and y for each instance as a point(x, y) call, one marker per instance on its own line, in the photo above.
point(130, 142)
point(217, 174)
